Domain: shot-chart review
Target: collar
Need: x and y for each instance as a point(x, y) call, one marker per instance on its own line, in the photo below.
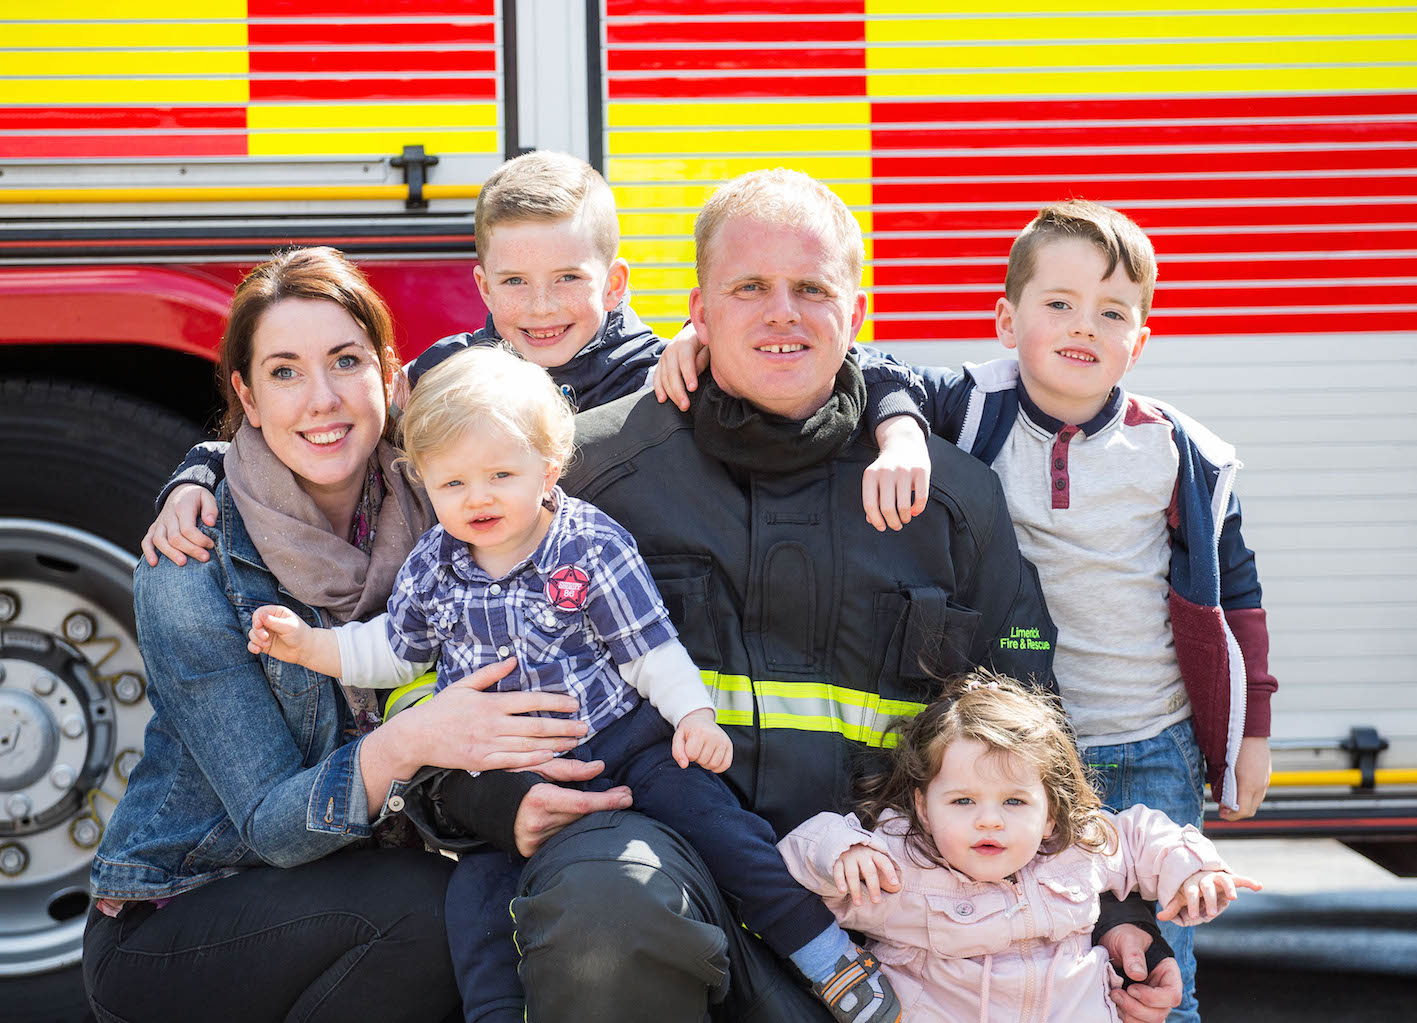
point(456, 555)
point(1110, 408)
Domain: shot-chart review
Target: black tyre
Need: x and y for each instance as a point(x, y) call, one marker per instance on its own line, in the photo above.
point(80, 466)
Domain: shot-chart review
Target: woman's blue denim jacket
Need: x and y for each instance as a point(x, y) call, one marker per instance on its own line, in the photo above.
point(247, 762)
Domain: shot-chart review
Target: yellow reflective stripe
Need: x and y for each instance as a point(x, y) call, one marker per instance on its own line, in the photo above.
point(806, 707)
point(406, 696)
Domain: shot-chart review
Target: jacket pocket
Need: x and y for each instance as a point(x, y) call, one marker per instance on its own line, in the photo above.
point(685, 583)
point(922, 638)
point(968, 923)
point(1070, 903)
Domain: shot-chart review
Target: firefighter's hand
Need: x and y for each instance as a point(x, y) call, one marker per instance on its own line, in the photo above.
point(699, 740)
point(679, 366)
point(895, 487)
point(547, 808)
point(1251, 778)
point(175, 531)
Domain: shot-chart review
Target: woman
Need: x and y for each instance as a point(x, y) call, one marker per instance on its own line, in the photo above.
point(251, 870)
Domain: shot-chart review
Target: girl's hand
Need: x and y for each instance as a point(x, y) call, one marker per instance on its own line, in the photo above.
point(699, 740)
point(679, 366)
point(1204, 895)
point(861, 864)
point(279, 632)
point(896, 486)
point(175, 531)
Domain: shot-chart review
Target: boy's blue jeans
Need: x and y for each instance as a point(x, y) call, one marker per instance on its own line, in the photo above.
point(1166, 773)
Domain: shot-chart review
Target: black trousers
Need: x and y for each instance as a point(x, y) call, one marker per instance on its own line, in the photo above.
point(355, 935)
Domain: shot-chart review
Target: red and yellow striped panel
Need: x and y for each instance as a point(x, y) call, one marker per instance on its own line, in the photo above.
point(1271, 153)
point(134, 79)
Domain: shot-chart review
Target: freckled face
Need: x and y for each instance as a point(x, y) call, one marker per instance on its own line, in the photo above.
point(1076, 331)
point(986, 810)
point(548, 287)
point(777, 313)
point(315, 392)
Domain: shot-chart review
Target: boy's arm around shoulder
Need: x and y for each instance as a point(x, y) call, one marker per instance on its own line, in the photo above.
point(203, 466)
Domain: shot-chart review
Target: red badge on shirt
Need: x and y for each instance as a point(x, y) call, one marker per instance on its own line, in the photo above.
point(568, 587)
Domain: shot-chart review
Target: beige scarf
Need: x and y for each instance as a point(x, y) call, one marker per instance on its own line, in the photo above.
point(298, 546)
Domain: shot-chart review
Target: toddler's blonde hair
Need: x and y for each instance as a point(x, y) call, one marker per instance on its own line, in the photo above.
point(487, 386)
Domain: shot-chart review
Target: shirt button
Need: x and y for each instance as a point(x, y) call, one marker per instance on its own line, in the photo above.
point(395, 804)
point(1060, 484)
point(964, 909)
point(496, 588)
point(503, 651)
point(1058, 463)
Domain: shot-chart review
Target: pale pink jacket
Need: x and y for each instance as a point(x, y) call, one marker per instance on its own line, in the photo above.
point(957, 949)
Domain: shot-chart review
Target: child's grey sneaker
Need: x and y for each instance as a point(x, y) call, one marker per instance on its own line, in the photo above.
point(858, 992)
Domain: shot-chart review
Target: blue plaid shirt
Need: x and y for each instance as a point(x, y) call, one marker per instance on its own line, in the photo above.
point(581, 603)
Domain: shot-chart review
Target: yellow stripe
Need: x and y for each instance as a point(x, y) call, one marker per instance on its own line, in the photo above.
point(372, 143)
point(687, 113)
point(657, 250)
point(1345, 779)
point(784, 141)
point(1135, 81)
point(721, 168)
point(671, 308)
point(777, 693)
point(461, 116)
point(690, 197)
point(162, 10)
point(327, 193)
point(148, 63)
point(154, 91)
point(1140, 56)
point(143, 36)
point(1161, 25)
point(667, 222)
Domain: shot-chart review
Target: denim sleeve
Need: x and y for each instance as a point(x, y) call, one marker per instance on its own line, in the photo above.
point(216, 696)
point(892, 388)
point(205, 465)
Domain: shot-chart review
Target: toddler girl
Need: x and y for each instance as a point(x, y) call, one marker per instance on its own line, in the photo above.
point(975, 864)
point(517, 568)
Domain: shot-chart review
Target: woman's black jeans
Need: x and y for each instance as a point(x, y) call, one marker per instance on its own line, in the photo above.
point(356, 935)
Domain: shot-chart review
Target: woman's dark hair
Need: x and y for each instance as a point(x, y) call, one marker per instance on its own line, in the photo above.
point(1003, 715)
point(320, 272)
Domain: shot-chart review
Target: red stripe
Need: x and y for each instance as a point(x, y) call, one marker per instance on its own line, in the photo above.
point(1061, 165)
point(618, 33)
point(149, 118)
point(992, 272)
point(1193, 219)
point(1402, 104)
point(365, 8)
point(1118, 191)
point(735, 59)
point(75, 147)
point(736, 86)
point(444, 33)
point(10, 244)
point(1239, 322)
point(268, 90)
point(397, 62)
point(657, 8)
point(1313, 824)
point(965, 136)
point(1171, 301)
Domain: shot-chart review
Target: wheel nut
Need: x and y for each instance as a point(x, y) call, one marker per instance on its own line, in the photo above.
point(62, 777)
point(43, 683)
point(79, 627)
point(13, 860)
point(85, 832)
point(128, 687)
point(125, 762)
point(73, 726)
point(19, 805)
point(9, 605)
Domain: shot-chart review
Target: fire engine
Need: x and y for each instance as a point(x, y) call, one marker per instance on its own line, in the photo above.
point(151, 151)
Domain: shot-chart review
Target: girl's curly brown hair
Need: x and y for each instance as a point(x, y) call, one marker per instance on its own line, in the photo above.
point(1003, 714)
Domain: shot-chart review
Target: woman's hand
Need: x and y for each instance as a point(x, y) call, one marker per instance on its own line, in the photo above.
point(176, 532)
point(862, 865)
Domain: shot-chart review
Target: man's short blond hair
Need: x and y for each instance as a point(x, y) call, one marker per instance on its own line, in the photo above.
point(786, 197)
point(1116, 236)
point(546, 186)
point(487, 387)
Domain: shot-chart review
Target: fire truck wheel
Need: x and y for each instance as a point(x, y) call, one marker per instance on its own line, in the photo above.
point(80, 466)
